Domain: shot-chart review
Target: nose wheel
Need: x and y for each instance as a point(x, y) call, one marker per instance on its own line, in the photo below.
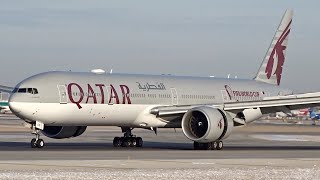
point(128, 139)
point(36, 142)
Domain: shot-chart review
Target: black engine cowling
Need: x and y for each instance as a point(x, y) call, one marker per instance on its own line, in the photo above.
point(206, 124)
point(61, 132)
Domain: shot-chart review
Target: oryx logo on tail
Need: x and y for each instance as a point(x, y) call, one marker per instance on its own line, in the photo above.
point(271, 68)
point(277, 53)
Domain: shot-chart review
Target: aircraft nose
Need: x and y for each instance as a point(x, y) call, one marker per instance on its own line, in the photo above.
point(14, 104)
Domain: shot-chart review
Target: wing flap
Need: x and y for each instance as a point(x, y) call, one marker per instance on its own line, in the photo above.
point(291, 102)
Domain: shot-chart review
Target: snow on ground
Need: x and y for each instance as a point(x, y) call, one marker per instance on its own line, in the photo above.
point(159, 174)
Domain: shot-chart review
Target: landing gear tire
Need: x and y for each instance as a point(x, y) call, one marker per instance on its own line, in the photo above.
point(133, 142)
point(125, 142)
point(37, 143)
point(220, 145)
point(40, 143)
point(200, 146)
point(139, 142)
point(128, 139)
point(117, 142)
point(128, 142)
point(33, 143)
point(216, 145)
point(121, 140)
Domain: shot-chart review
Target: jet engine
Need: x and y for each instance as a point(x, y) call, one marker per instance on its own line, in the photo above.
point(61, 132)
point(247, 116)
point(206, 124)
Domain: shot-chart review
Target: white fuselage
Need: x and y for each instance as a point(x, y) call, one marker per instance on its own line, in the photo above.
point(84, 99)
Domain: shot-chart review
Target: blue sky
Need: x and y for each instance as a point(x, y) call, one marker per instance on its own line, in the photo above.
point(181, 37)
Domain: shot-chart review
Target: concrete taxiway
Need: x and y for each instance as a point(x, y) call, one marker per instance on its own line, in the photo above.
point(260, 150)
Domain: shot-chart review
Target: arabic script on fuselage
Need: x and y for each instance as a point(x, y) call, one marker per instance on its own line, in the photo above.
point(147, 86)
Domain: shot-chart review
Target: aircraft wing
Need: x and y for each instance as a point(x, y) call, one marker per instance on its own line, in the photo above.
point(6, 89)
point(278, 103)
point(267, 105)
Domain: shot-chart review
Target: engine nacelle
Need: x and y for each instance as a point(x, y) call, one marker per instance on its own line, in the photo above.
point(206, 124)
point(61, 132)
point(249, 115)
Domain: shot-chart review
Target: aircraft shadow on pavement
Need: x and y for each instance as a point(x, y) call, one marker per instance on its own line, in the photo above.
point(25, 146)
point(149, 146)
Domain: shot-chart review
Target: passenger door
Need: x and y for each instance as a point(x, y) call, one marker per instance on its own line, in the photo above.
point(174, 96)
point(63, 94)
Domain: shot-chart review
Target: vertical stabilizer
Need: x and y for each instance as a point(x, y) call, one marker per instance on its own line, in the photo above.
point(271, 68)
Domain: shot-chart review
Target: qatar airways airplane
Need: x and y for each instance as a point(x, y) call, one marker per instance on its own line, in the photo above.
point(62, 104)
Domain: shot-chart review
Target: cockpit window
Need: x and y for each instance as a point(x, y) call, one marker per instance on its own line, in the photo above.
point(30, 90)
point(35, 91)
point(26, 90)
point(22, 90)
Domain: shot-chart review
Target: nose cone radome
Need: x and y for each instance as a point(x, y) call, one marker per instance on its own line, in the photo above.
point(14, 104)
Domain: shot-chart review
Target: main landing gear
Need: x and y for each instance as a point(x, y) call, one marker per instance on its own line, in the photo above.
point(216, 145)
point(36, 142)
point(128, 139)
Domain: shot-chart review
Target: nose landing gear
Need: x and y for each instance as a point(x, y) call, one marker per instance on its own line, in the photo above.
point(36, 142)
point(128, 139)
